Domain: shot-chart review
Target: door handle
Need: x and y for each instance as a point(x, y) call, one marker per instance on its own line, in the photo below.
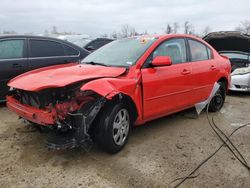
point(185, 72)
point(16, 65)
point(212, 67)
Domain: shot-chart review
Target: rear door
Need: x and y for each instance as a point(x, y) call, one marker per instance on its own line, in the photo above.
point(44, 53)
point(13, 61)
point(204, 70)
point(167, 89)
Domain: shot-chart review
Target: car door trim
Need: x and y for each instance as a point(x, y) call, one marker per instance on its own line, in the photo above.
point(162, 96)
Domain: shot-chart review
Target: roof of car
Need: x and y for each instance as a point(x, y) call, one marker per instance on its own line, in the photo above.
point(162, 36)
point(44, 38)
point(24, 36)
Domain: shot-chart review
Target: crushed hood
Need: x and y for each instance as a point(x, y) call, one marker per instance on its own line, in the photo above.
point(62, 75)
point(229, 41)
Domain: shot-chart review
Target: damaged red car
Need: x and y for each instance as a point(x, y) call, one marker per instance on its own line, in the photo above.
point(123, 84)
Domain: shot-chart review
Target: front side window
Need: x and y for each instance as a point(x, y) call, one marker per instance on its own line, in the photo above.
point(175, 48)
point(123, 52)
point(199, 51)
point(45, 48)
point(11, 49)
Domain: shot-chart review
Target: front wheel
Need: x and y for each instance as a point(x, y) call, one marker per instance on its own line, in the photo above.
point(113, 127)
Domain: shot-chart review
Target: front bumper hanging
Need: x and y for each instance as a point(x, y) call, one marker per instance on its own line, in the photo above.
point(80, 136)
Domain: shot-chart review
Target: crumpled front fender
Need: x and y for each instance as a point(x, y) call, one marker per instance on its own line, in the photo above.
point(109, 87)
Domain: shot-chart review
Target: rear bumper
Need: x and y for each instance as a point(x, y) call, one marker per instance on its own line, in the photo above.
point(32, 114)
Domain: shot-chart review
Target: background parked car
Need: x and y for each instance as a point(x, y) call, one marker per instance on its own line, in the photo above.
point(79, 40)
point(21, 53)
point(84, 41)
point(236, 46)
point(97, 43)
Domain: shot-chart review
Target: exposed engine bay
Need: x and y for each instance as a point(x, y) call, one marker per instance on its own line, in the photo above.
point(71, 110)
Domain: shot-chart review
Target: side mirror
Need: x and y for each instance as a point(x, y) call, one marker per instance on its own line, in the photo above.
point(162, 61)
point(90, 48)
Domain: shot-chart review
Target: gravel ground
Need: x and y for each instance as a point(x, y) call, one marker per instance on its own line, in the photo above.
point(156, 154)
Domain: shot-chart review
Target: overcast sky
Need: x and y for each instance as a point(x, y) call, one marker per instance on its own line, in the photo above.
point(105, 16)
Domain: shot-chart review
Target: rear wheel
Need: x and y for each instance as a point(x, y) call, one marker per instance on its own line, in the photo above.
point(113, 127)
point(218, 100)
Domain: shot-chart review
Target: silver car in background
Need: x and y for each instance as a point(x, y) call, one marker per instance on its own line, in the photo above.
point(236, 46)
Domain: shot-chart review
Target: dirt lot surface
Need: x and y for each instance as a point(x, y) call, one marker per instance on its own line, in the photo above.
point(155, 155)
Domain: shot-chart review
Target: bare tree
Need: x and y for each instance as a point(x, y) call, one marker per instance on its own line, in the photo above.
point(125, 31)
point(114, 35)
point(168, 29)
point(175, 27)
point(189, 28)
point(132, 32)
point(206, 30)
point(104, 35)
point(244, 27)
point(128, 31)
point(54, 30)
point(186, 27)
point(9, 32)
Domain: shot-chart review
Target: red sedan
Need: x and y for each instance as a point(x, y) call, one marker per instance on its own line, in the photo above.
point(127, 82)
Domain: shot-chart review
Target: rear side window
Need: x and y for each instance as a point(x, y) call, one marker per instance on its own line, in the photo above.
point(175, 48)
point(70, 51)
point(45, 48)
point(11, 49)
point(199, 51)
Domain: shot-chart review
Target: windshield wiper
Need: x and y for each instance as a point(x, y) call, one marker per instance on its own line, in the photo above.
point(95, 63)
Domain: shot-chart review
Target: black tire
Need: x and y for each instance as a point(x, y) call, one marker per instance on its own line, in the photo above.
point(218, 100)
point(104, 133)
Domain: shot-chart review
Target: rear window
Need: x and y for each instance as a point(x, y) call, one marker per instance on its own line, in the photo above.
point(45, 48)
point(199, 51)
point(11, 49)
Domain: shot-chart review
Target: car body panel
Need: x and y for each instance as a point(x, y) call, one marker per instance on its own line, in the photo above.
point(164, 86)
point(62, 75)
point(32, 114)
point(203, 70)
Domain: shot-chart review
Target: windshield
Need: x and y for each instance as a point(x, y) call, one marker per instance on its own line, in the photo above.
point(123, 52)
point(236, 55)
